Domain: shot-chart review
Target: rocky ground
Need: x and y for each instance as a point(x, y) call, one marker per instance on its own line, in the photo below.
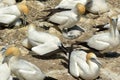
point(55, 65)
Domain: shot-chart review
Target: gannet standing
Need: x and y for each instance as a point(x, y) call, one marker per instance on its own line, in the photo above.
point(41, 42)
point(22, 69)
point(84, 65)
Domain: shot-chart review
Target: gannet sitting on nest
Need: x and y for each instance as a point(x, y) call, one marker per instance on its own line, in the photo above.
point(5, 72)
point(84, 65)
point(9, 15)
point(107, 41)
point(22, 69)
point(41, 42)
point(66, 19)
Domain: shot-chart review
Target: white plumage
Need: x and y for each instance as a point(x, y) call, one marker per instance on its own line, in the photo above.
point(84, 65)
point(22, 69)
point(97, 6)
point(41, 42)
point(108, 41)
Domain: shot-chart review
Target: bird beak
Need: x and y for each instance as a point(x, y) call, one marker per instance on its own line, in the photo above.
point(96, 61)
point(64, 49)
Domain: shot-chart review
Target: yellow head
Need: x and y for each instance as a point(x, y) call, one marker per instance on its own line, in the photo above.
point(14, 51)
point(92, 57)
point(81, 8)
point(23, 7)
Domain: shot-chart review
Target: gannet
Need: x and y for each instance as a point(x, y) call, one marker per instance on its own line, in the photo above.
point(72, 33)
point(41, 42)
point(107, 41)
point(5, 72)
point(97, 6)
point(69, 4)
point(9, 15)
point(21, 68)
point(67, 19)
point(84, 65)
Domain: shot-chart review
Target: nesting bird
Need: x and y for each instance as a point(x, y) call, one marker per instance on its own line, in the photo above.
point(41, 42)
point(84, 65)
point(66, 19)
point(22, 69)
point(97, 6)
point(5, 73)
point(9, 15)
point(107, 41)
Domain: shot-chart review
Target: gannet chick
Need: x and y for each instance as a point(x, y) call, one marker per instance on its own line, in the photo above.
point(4, 69)
point(72, 33)
point(69, 4)
point(107, 41)
point(67, 19)
point(41, 42)
point(9, 15)
point(4, 3)
point(97, 6)
point(84, 65)
point(22, 69)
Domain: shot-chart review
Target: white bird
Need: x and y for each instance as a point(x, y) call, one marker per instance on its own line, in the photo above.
point(107, 41)
point(9, 15)
point(69, 4)
point(22, 69)
point(5, 73)
point(67, 19)
point(41, 42)
point(97, 6)
point(5, 3)
point(84, 65)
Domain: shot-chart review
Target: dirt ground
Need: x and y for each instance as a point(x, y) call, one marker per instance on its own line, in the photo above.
point(55, 65)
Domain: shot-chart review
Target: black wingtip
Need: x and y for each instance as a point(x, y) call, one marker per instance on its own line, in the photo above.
point(49, 78)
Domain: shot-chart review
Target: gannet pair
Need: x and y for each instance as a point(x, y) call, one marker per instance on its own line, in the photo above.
point(84, 65)
point(97, 6)
point(67, 19)
point(41, 42)
point(5, 72)
point(22, 69)
point(107, 41)
point(9, 15)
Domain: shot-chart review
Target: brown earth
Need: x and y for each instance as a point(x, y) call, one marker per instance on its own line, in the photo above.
point(55, 66)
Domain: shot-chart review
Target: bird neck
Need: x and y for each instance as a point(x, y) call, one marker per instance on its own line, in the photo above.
point(114, 31)
point(93, 67)
point(75, 11)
